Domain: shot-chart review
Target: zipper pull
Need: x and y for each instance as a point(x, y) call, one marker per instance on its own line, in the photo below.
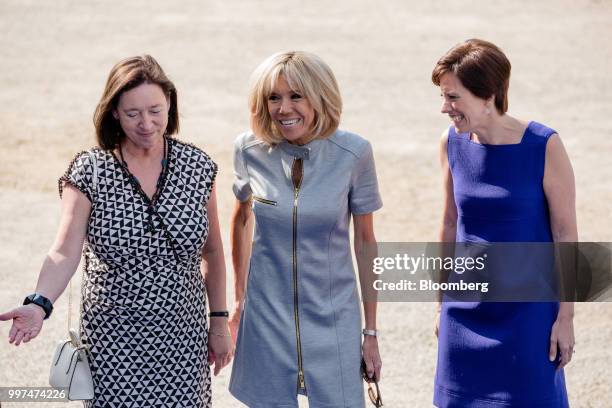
point(301, 379)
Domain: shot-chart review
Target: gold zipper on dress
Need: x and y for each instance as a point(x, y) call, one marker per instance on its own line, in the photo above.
point(301, 383)
point(264, 200)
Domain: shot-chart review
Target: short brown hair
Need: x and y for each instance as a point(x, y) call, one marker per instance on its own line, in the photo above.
point(126, 75)
point(306, 74)
point(481, 67)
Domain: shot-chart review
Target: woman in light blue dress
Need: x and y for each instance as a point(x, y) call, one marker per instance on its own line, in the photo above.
point(299, 180)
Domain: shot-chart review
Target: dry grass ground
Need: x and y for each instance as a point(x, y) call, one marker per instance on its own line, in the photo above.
point(56, 55)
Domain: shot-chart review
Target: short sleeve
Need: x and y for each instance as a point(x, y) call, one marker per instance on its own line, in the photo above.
point(79, 175)
point(241, 185)
point(364, 197)
point(209, 172)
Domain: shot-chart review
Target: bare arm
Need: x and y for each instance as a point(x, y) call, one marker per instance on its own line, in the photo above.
point(448, 229)
point(242, 240)
point(365, 251)
point(213, 266)
point(58, 267)
point(560, 190)
point(241, 236)
point(65, 253)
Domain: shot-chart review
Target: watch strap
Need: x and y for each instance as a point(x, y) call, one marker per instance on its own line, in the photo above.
point(223, 313)
point(40, 300)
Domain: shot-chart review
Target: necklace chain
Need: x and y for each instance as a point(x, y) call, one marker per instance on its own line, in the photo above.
point(135, 181)
point(138, 187)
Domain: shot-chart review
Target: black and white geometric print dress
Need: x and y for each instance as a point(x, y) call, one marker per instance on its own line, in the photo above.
point(143, 310)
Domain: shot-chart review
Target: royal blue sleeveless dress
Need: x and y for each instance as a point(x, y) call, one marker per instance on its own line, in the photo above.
point(496, 354)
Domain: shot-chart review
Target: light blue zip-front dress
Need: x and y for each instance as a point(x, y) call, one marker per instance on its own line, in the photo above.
point(301, 324)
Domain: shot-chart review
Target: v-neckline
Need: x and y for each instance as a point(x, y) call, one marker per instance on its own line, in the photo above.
point(161, 180)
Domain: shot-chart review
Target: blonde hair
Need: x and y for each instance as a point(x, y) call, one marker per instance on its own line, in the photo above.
point(305, 74)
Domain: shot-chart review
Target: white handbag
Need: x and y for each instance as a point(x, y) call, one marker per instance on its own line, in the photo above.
point(70, 369)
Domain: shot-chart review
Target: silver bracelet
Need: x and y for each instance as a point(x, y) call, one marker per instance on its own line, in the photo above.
point(367, 332)
point(219, 334)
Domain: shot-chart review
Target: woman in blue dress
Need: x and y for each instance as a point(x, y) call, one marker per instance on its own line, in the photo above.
point(299, 180)
point(505, 180)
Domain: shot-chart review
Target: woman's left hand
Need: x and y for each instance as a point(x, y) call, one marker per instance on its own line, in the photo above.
point(562, 340)
point(372, 356)
point(220, 347)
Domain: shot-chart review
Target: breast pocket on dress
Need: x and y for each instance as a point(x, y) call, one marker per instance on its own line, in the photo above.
point(269, 213)
point(266, 207)
point(264, 200)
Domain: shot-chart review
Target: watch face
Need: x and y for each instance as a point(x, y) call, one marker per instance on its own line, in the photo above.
point(41, 301)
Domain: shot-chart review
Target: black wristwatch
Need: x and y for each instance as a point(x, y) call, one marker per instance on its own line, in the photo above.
point(41, 301)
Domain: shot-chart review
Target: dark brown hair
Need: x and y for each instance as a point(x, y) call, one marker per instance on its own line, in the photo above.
point(126, 75)
point(481, 67)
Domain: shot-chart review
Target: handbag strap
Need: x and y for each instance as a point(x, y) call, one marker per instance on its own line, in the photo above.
point(69, 303)
point(94, 184)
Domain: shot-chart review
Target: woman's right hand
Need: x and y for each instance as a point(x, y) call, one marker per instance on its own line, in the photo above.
point(27, 323)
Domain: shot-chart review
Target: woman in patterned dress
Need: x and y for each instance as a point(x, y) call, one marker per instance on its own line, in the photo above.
point(142, 208)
